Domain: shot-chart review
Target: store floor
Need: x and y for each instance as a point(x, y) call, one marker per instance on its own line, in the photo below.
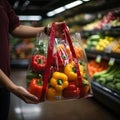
point(81, 109)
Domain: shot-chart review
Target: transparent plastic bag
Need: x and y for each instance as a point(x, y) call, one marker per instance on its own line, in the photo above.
point(58, 71)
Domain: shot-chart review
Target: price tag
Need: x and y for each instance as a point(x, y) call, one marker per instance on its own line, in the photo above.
point(108, 49)
point(111, 61)
point(98, 58)
point(106, 26)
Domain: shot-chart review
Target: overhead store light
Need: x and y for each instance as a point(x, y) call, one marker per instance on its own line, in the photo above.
point(73, 4)
point(29, 18)
point(61, 9)
point(85, 0)
point(56, 11)
point(16, 4)
point(25, 4)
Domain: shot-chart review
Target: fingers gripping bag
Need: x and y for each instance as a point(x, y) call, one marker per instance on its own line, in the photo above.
point(58, 68)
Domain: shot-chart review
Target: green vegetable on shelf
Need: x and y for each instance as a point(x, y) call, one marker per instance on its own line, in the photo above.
point(111, 73)
point(96, 75)
point(101, 81)
point(118, 75)
point(93, 41)
point(116, 80)
point(109, 78)
point(110, 85)
point(117, 86)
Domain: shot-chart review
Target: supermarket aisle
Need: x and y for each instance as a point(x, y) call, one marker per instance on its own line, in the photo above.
point(82, 109)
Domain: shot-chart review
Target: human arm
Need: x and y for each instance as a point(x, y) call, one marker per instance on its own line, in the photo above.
point(17, 90)
point(24, 31)
point(29, 31)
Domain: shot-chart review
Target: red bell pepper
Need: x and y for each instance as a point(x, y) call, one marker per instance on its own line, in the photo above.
point(38, 63)
point(61, 58)
point(72, 91)
point(35, 87)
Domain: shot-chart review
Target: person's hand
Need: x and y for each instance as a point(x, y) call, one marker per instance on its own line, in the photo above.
point(25, 95)
point(59, 26)
point(59, 29)
point(17, 90)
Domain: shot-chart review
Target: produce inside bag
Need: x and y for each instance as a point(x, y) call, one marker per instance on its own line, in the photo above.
point(58, 68)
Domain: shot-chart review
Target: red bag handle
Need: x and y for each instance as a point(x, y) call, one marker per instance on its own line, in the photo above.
point(67, 36)
point(49, 56)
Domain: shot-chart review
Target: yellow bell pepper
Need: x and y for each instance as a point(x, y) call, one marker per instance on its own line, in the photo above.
point(53, 94)
point(86, 85)
point(70, 71)
point(59, 81)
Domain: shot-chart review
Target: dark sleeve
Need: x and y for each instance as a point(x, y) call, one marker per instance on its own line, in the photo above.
point(13, 18)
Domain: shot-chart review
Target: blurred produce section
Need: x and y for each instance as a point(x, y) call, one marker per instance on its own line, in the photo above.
point(103, 43)
point(111, 19)
point(77, 22)
point(80, 22)
point(109, 78)
point(95, 67)
point(21, 48)
point(116, 46)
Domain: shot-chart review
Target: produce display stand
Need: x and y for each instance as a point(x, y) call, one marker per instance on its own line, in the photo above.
point(106, 97)
point(20, 63)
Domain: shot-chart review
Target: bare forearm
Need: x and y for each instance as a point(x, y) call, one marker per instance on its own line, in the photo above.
point(27, 31)
point(17, 90)
point(6, 82)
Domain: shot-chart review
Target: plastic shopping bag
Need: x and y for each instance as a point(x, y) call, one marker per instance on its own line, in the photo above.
point(58, 68)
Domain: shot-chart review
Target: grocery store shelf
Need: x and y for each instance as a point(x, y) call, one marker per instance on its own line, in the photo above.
point(20, 63)
point(111, 31)
point(104, 55)
point(107, 97)
point(101, 5)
